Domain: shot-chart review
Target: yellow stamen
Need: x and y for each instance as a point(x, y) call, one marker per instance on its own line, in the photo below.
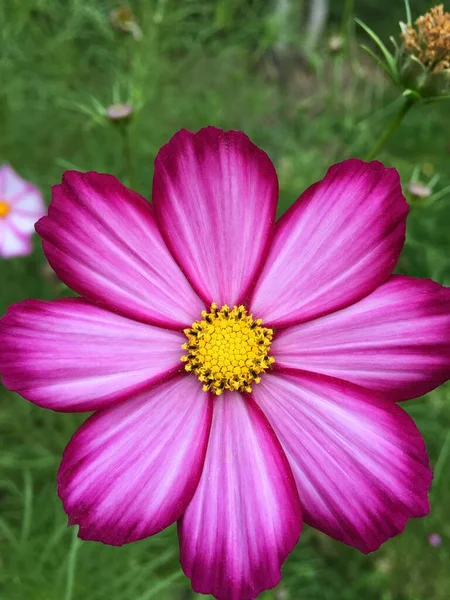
point(4, 208)
point(429, 40)
point(227, 349)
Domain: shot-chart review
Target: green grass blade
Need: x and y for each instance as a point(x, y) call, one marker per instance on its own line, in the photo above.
point(152, 594)
point(390, 59)
point(408, 12)
point(382, 64)
point(27, 506)
point(71, 565)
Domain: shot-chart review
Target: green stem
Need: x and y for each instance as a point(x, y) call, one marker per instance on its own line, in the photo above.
point(128, 154)
point(391, 128)
point(347, 14)
point(71, 565)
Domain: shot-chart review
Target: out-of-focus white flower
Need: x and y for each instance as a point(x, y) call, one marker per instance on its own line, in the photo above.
point(21, 205)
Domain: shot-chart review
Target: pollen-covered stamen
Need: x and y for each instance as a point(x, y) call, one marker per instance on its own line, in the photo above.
point(4, 208)
point(227, 349)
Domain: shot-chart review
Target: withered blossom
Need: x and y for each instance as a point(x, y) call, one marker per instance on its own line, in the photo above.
point(429, 39)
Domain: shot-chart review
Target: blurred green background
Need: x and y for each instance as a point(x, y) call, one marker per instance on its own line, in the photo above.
point(303, 89)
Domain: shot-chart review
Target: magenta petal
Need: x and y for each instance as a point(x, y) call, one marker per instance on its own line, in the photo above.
point(215, 196)
point(396, 340)
point(245, 516)
point(103, 242)
point(339, 241)
point(359, 461)
point(70, 355)
point(132, 469)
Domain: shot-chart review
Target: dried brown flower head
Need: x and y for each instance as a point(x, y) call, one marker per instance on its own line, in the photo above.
point(429, 39)
point(123, 19)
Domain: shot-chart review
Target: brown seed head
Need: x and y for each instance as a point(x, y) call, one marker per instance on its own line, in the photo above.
point(429, 39)
point(123, 19)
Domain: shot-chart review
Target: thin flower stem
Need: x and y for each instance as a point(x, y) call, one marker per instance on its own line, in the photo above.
point(71, 565)
point(348, 35)
point(28, 506)
point(442, 459)
point(347, 15)
point(391, 128)
point(128, 154)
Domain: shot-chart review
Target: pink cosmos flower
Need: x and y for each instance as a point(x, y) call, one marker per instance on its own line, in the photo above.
point(21, 205)
point(245, 373)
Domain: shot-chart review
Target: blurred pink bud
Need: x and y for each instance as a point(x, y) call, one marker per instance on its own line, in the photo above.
point(434, 539)
point(21, 205)
point(419, 190)
point(119, 111)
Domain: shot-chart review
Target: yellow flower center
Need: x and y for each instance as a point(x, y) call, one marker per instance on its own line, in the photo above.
point(4, 208)
point(227, 349)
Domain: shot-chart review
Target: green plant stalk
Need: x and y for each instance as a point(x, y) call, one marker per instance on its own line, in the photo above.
point(347, 17)
point(391, 128)
point(71, 565)
point(128, 154)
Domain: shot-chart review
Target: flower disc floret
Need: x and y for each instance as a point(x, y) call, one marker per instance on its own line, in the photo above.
point(4, 208)
point(228, 349)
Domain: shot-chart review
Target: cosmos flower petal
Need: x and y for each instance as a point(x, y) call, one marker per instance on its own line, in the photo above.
point(25, 206)
point(25, 200)
point(12, 186)
point(396, 340)
point(338, 242)
point(215, 196)
point(132, 469)
point(12, 243)
point(23, 222)
point(69, 355)
point(102, 241)
point(245, 516)
point(359, 461)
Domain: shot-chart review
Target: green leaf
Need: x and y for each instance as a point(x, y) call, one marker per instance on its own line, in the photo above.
point(436, 99)
point(383, 65)
point(408, 12)
point(394, 43)
point(390, 59)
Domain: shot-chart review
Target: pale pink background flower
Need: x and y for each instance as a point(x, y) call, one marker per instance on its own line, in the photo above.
point(419, 189)
point(21, 205)
point(434, 539)
point(321, 439)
